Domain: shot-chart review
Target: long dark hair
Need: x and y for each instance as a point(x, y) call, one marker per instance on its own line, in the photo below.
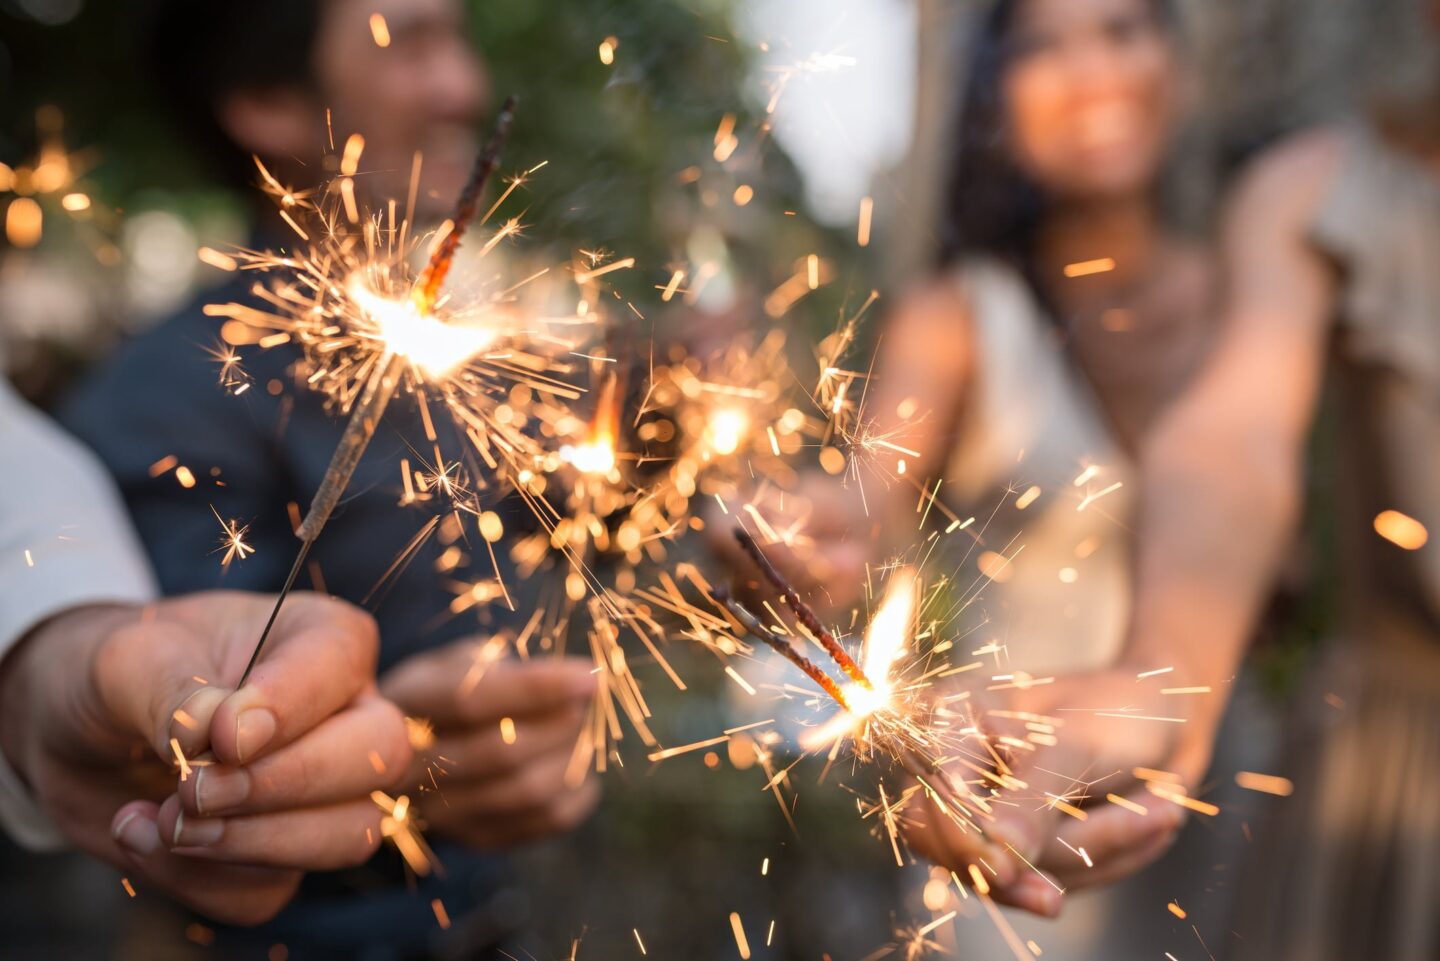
point(991, 207)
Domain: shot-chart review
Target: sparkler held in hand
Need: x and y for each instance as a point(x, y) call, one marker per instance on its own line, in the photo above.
point(386, 374)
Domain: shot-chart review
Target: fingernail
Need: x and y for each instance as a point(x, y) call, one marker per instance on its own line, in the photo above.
point(253, 730)
point(137, 835)
point(196, 832)
point(191, 721)
point(218, 789)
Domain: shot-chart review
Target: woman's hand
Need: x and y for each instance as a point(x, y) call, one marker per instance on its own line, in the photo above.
point(1109, 723)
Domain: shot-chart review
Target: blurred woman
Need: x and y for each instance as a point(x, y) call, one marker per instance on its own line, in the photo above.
point(1066, 310)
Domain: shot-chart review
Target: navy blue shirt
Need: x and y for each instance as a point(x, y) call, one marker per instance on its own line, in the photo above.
point(252, 457)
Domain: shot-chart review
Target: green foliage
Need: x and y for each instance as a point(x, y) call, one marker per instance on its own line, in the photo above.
point(631, 145)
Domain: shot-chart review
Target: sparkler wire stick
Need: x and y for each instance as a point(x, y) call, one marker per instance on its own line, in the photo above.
point(752, 624)
point(380, 387)
point(434, 277)
point(803, 612)
point(916, 761)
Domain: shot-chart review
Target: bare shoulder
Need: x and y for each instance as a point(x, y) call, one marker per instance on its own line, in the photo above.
point(1288, 180)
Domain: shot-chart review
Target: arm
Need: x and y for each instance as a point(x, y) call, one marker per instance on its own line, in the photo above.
point(1222, 471)
point(65, 544)
point(924, 364)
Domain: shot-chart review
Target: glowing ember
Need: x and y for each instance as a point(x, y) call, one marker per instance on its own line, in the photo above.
point(726, 430)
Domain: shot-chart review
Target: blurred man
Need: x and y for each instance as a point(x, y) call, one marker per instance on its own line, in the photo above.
point(273, 79)
point(103, 693)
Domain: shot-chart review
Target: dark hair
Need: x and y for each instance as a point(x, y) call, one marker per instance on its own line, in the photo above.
point(991, 207)
point(200, 51)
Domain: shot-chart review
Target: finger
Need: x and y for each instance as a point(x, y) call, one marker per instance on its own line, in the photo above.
point(492, 831)
point(320, 657)
point(482, 753)
point(232, 894)
point(937, 836)
point(1076, 875)
point(348, 755)
point(311, 839)
point(436, 687)
point(533, 788)
point(1033, 892)
point(1114, 838)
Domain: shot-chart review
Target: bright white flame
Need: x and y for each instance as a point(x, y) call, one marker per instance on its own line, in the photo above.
point(889, 631)
point(591, 457)
point(435, 346)
point(885, 642)
point(726, 430)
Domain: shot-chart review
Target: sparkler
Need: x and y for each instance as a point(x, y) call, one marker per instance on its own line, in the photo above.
point(889, 707)
point(411, 333)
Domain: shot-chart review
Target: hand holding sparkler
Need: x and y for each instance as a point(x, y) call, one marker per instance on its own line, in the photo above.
point(887, 715)
point(503, 734)
point(104, 706)
point(1104, 800)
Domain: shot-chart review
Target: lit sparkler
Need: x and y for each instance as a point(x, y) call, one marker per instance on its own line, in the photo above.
point(370, 327)
point(891, 707)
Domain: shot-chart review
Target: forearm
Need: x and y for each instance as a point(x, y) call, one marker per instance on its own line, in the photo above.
point(1218, 509)
point(1221, 473)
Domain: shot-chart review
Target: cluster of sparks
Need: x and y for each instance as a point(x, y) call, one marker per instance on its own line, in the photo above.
point(543, 398)
point(364, 300)
point(540, 396)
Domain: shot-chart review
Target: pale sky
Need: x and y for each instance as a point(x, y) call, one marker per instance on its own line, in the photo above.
point(846, 111)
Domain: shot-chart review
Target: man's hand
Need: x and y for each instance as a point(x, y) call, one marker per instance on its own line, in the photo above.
point(1108, 728)
point(506, 731)
point(96, 701)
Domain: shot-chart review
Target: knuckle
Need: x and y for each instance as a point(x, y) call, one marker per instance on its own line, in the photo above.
point(369, 844)
point(536, 787)
point(394, 741)
point(364, 637)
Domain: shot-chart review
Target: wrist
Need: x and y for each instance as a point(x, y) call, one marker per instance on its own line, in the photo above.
point(46, 682)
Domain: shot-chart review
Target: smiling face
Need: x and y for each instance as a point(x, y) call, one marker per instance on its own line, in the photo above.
point(426, 91)
point(1090, 92)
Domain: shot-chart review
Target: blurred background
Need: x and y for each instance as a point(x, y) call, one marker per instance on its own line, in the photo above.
point(841, 101)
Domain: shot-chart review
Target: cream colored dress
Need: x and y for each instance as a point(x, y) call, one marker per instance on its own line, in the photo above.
point(1350, 865)
point(1050, 573)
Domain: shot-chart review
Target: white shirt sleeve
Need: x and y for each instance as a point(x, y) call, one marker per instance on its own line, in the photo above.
point(65, 541)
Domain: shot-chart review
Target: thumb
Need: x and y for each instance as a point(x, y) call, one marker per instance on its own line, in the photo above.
point(158, 683)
